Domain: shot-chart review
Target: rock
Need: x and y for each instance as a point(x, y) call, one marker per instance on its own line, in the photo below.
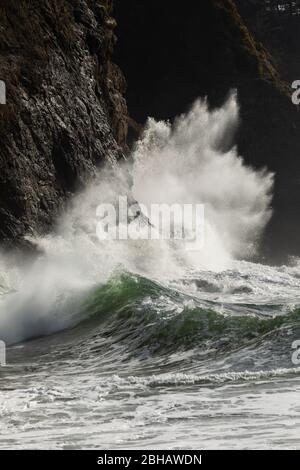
point(65, 112)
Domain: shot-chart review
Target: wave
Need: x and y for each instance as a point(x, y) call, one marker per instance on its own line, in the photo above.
point(147, 318)
point(183, 163)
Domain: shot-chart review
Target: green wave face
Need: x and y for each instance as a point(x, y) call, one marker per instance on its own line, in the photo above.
point(145, 315)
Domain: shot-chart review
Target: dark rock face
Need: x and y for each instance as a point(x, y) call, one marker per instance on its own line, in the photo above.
point(173, 52)
point(278, 29)
point(65, 111)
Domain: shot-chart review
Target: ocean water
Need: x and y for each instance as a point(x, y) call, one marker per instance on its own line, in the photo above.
point(204, 361)
point(144, 344)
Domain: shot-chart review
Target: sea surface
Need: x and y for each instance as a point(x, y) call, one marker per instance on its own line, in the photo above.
point(203, 361)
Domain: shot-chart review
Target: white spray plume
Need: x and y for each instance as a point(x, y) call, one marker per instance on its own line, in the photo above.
point(185, 163)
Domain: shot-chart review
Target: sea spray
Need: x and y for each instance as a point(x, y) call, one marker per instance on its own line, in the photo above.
point(188, 162)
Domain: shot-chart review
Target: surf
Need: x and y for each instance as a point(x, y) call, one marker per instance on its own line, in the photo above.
point(189, 161)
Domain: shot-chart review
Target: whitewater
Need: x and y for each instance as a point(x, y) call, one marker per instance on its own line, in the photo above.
point(142, 343)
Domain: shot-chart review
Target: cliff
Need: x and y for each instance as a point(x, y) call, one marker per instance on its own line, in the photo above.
point(171, 53)
point(65, 113)
point(278, 29)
